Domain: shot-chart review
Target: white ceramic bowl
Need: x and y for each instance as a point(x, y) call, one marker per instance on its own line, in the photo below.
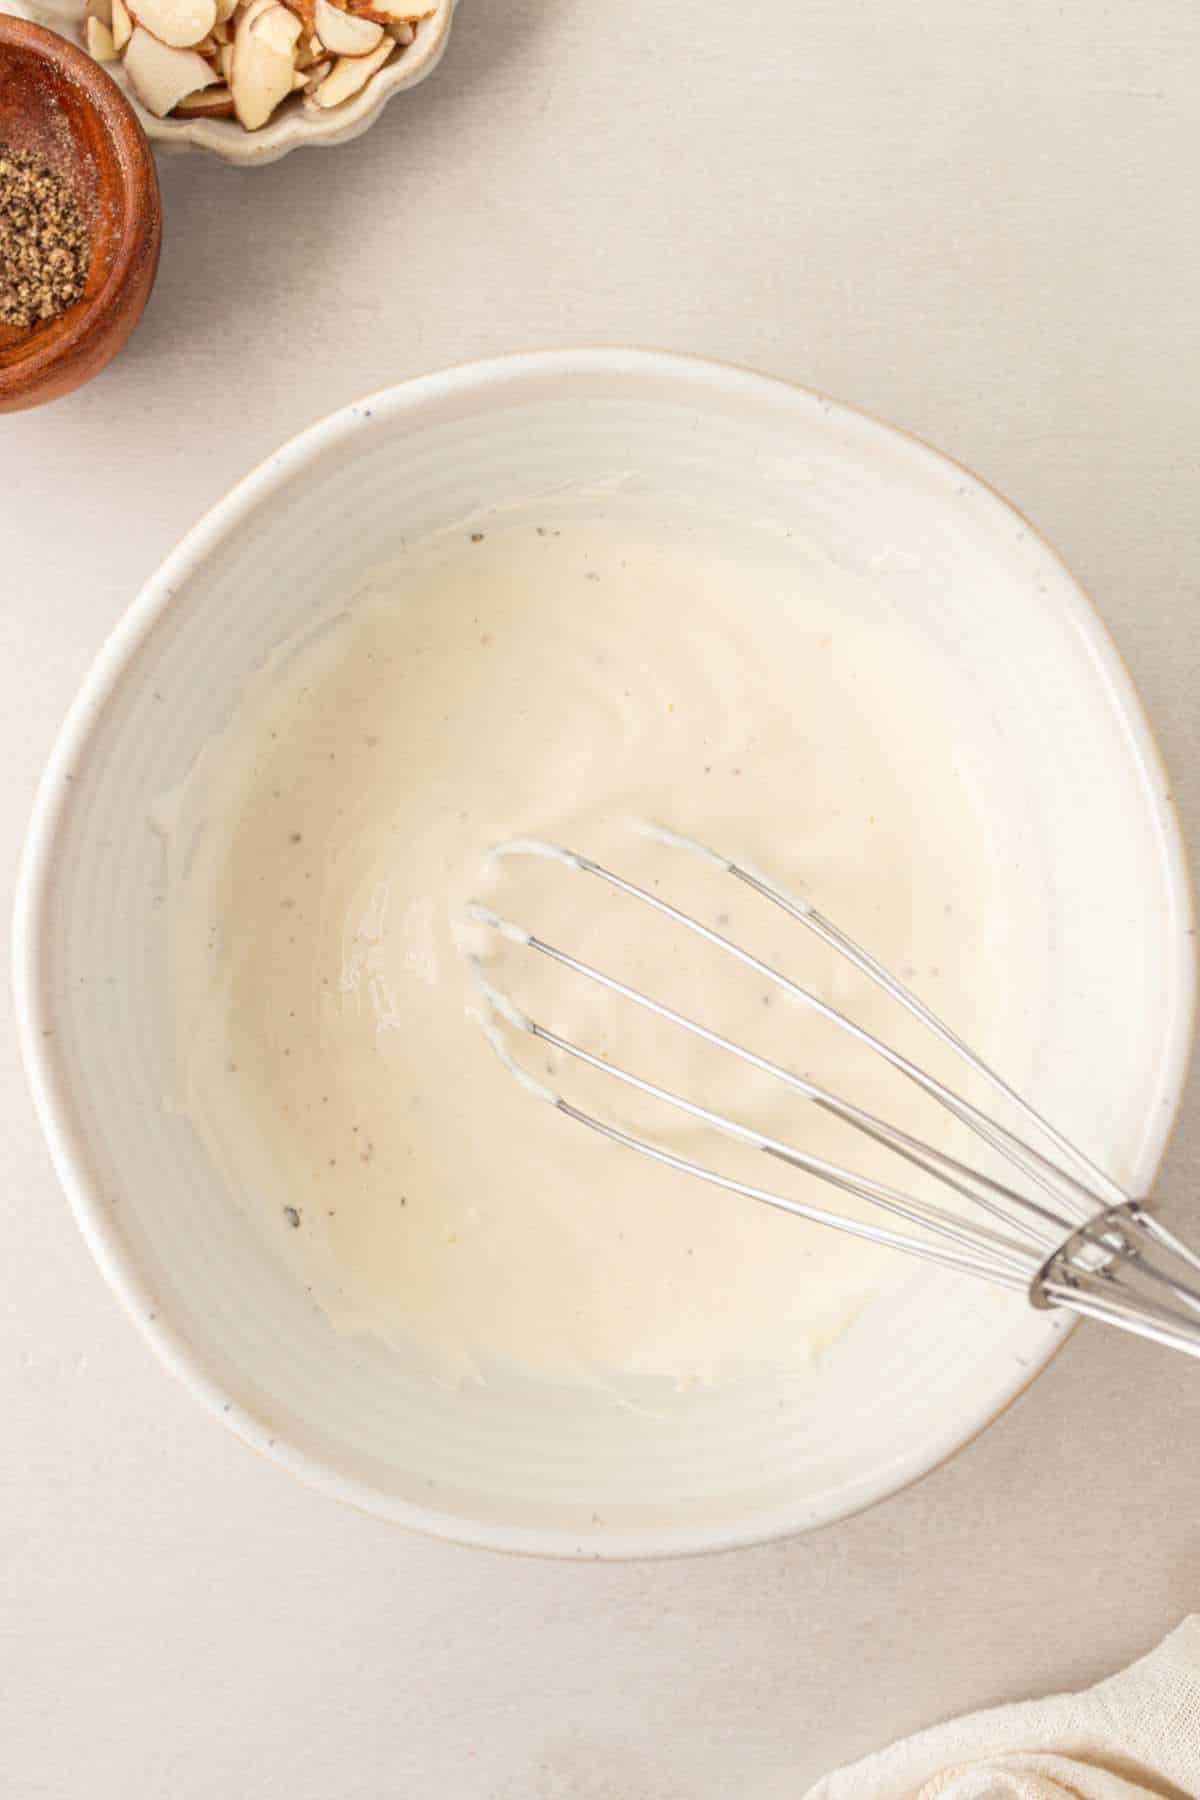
point(1079, 799)
point(292, 127)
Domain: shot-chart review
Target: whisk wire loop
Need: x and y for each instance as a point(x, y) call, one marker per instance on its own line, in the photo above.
point(1084, 1245)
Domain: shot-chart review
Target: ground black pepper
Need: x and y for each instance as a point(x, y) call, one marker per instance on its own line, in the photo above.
point(44, 245)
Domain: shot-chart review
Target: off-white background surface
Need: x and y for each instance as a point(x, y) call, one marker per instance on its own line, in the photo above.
point(979, 221)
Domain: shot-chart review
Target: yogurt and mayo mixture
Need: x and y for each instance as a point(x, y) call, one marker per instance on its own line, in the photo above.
point(565, 682)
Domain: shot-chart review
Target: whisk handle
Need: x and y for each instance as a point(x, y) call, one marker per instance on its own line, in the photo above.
point(1080, 1275)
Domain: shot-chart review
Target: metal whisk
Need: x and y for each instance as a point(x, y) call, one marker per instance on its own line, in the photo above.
point(1082, 1243)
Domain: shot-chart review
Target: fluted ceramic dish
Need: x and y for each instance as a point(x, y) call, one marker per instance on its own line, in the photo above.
point(293, 127)
point(1084, 836)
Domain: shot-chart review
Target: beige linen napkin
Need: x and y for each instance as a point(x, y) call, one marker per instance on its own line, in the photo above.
point(1134, 1737)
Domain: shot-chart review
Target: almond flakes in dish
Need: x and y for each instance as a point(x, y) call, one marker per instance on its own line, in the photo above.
point(241, 59)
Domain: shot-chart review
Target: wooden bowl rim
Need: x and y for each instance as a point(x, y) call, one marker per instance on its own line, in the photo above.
point(138, 180)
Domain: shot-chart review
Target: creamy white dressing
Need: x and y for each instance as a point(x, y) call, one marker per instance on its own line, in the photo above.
point(566, 684)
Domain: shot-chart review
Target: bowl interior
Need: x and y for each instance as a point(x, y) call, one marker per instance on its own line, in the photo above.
point(1101, 966)
point(44, 110)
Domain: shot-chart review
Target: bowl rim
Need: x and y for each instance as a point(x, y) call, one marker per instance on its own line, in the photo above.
point(33, 361)
point(34, 890)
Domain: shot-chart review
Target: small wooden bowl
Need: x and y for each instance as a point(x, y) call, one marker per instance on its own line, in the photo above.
point(59, 105)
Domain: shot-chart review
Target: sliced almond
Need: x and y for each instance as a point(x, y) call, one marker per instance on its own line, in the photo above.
point(122, 25)
point(99, 9)
point(162, 75)
point(303, 10)
point(349, 74)
point(260, 73)
point(388, 12)
point(225, 61)
point(99, 40)
point(181, 24)
point(401, 33)
point(343, 34)
point(315, 77)
point(280, 28)
point(249, 10)
point(208, 103)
